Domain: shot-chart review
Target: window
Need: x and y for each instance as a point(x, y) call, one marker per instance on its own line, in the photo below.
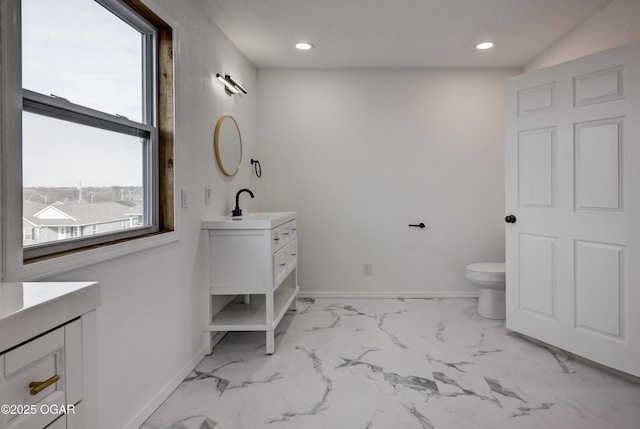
point(28, 233)
point(96, 123)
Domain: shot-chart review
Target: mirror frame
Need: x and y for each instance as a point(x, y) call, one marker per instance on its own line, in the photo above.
point(216, 141)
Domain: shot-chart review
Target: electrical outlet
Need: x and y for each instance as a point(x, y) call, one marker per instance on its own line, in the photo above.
point(368, 270)
point(184, 198)
point(207, 196)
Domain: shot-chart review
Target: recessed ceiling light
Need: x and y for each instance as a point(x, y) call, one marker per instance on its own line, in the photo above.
point(304, 46)
point(485, 45)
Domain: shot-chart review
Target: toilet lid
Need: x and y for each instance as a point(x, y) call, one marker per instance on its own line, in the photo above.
point(488, 271)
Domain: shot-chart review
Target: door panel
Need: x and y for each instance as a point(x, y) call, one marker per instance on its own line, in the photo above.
point(537, 267)
point(536, 156)
point(598, 87)
point(536, 100)
point(599, 287)
point(598, 152)
point(572, 163)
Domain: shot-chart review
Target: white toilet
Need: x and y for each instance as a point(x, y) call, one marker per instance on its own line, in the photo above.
point(490, 278)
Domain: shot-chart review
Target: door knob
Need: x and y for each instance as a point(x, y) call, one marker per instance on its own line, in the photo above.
point(510, 219)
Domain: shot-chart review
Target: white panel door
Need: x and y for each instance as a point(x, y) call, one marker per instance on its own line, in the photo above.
point(573, 185)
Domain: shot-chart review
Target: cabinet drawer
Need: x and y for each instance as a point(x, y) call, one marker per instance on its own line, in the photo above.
point(38, 420)
point(61, 423)
point(38, 360)
point(283, 262)
point(292, 253)
point(293, 227)
point(280, 236)
point(279, 265)
point(57, 354)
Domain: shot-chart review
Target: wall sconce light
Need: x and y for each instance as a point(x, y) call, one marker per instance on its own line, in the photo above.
point(230, 86)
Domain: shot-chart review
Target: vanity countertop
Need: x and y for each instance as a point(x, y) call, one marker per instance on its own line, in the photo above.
point(257, 220)
point(28, 309)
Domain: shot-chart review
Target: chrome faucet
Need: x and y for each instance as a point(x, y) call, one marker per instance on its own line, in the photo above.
point(237, 212)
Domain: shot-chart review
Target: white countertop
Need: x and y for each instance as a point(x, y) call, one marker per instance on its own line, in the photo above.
point(257, 220)
point(28, 309)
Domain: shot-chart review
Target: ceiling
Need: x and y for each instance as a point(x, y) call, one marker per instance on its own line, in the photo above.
point(397, 33)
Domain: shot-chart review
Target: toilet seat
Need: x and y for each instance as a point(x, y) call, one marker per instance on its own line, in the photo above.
point(487, 272)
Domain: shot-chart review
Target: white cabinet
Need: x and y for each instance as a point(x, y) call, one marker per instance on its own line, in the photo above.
point(254, 256)
point(47, 380)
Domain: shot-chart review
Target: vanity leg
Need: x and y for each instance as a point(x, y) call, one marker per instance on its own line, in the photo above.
point(209, 340)
point(270, 342)
point(246, 299)
point(294, 304)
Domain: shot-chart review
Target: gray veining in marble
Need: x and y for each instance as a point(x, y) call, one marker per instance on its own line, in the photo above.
point(321, 405)
point(439, 376)
point(196, 422)
point(497, 387)
point(405, 363)
point(425, 423)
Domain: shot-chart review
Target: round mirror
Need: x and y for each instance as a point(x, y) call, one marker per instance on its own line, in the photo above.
point(228, 145)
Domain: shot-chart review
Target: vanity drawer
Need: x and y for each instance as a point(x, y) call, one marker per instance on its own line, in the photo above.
point(39, 360)
point(54, 358)
point(280, 236)
point(279, 266)
point(283, 262)
point(292, 253)
point(38, 420)
point(286, 232)
point(293, 228)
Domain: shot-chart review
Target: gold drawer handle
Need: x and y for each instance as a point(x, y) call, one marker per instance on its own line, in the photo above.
point(293, 254)
point(285, 233)
point(293, 229)
point(39, 386)
point(276, 239)
point(282, 265)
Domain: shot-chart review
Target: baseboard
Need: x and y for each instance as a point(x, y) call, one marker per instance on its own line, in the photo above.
point(164, 393)
point(386, 295)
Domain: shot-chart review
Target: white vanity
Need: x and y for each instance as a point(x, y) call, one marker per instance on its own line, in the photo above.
point(48, 355)
point(254, 257)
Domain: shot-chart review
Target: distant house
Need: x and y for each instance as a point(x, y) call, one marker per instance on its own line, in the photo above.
point(65, 220)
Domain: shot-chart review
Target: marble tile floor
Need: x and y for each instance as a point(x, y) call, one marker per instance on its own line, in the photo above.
point(387, 363)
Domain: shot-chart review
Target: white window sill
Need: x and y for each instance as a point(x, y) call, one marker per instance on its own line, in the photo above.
point(54, 266)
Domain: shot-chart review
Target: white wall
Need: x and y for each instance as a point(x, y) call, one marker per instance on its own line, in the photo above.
point(151, 319)
point(615, 25)
point(360, 154)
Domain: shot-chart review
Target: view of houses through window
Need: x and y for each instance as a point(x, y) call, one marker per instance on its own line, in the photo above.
point(61, 213)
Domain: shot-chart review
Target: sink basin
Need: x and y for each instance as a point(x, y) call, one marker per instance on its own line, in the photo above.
point(255, 220)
